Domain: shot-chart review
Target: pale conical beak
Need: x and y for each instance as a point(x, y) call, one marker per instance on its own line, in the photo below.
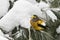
point(44, 24)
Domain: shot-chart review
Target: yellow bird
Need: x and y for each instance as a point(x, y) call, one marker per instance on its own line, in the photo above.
point(37, 23)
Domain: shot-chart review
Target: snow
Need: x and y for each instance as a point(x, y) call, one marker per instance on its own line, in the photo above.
point(42, 4)
point(4, 5)
point(32, 1)
point(49, 0)
point(46, 7)
point(55, 9)
point(19, 15)
point(52, 15)
point(1, 33)
point(3, 38)
point(58, 29)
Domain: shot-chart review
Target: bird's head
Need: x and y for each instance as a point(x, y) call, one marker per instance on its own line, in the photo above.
point(38, 23)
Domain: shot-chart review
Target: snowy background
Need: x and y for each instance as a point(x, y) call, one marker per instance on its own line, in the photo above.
point(15, 16)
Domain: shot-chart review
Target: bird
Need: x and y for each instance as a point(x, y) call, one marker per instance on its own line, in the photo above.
point(37, 23)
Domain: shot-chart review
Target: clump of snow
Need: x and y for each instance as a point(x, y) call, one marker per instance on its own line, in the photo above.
point(4, 5)
point(55, 9)
point(58, 29)
point(46, 7)
point(42, 4)
point(3, 38)
point(52, 15)
point(1, 33)
point(49, 0)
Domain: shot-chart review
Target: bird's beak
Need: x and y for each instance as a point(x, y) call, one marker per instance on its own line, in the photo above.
point(43, 23)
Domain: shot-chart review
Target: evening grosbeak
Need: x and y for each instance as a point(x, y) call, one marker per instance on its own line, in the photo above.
point(37, 23)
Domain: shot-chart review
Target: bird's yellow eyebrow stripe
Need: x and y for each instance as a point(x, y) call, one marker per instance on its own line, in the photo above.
point(33, 16)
